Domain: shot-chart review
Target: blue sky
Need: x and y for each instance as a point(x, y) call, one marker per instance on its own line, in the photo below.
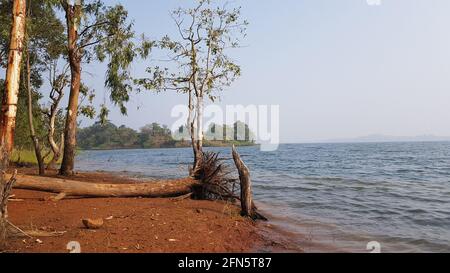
point(338, 69)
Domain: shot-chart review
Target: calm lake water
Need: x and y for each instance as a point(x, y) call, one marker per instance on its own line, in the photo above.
point(334, 197)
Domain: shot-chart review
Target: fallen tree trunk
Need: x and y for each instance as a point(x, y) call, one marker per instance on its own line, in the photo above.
point(66, 188)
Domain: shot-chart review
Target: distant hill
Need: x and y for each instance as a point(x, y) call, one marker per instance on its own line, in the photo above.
point(385, 138)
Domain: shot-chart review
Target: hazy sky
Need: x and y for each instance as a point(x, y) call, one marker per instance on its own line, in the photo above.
point(338, 69)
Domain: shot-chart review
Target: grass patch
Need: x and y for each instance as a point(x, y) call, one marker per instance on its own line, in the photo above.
point(28, 157)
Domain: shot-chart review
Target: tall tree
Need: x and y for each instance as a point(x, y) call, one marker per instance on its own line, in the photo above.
point(199, 55)
point(41, 21)
point(12, 80)
point(44, 42)
point(95, 31)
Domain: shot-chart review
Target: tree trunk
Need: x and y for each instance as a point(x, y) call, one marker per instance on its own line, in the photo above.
point(5, 189)
point(197, 131)
point(246, 185)
point(84, 189)
point(247, 205)
point(56, 152)
point(55, 95)
point(73, 14)
point(192, 132)
point(200, 125)
point(37, 146)
point(12, 80)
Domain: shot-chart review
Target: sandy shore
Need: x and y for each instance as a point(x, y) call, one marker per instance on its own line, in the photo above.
point(136, 225)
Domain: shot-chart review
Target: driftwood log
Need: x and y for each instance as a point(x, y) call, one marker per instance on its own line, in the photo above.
point(246, 184)
point(247, 205)
point(65, 188)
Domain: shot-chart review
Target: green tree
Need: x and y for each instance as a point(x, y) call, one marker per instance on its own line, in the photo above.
point(45, 41)
point(201, 67)
point(12, 81)
point(95, 32)
point(155, 136)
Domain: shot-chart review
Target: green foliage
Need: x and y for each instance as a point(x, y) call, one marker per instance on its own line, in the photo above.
point(105, 34)
point(109, 136)
point(5, 22)
point(154, 136)
point(199, 54)
point(86, 107)
point(22, 139)
point(28, 157)
point(104, 112)
point(45, 41)
point(44, 30)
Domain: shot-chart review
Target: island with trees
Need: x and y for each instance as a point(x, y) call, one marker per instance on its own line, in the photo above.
point(152, 136)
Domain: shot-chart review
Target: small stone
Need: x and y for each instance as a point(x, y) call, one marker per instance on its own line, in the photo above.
point(198, 210)
point(93, 223)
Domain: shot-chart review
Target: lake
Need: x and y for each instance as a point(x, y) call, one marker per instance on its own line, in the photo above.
point(335, 197)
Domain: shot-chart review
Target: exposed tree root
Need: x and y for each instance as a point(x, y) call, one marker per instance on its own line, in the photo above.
point(217, 183)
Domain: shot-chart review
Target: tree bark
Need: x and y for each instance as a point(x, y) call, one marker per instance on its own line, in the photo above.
point(162, 189)
point(37, 146)
point(191, 127)
point(197, 133)
point(73, 14)
point(56, 151)
point(246, 185)
point(197, 122)
point(12, 80)
point(5, 189)
point(193, 131)
point(56, 96)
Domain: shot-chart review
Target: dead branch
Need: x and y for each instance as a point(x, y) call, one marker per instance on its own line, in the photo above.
point(248, 206)
point(5, 190)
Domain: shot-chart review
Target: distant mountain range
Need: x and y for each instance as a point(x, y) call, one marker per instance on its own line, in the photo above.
point(385, 138)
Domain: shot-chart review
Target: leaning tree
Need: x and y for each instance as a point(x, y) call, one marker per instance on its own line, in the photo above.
point(200, 65)
point(95, 32)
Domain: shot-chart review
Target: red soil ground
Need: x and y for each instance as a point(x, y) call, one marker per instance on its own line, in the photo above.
point(136, 225)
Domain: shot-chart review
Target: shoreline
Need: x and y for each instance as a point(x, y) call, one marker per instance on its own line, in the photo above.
point(224, 145)
point(137, 225)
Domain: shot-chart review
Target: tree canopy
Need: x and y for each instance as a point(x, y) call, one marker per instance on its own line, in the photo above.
point(109, 136)
point(45, 40)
